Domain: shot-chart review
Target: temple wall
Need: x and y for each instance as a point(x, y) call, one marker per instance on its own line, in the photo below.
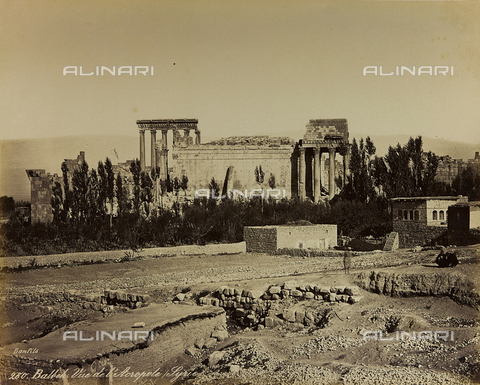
point(201, 163)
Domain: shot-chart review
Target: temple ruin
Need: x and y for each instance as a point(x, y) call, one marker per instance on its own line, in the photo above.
point(159, 149)
point(301, 169)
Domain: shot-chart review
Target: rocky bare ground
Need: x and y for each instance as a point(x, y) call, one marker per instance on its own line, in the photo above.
point(288, 352)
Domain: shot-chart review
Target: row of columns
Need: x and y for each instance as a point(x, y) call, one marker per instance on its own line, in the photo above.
point(159, 153)
point(317, 173)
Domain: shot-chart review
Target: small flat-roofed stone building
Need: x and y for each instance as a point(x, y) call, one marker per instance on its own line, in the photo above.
point(421, 220)
point(269, 239)
point(464, 223)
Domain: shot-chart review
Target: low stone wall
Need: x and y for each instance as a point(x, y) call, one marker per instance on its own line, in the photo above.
point(252, 306)
point(71, 259)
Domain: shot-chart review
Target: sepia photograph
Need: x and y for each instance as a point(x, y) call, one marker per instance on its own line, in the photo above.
point(239, 192)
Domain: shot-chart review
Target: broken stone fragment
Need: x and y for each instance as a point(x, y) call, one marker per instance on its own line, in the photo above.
point(192, 351)
point(138, 325)
point(215, 357)
point(199, 343)
point(180, 296)
point(220, 335)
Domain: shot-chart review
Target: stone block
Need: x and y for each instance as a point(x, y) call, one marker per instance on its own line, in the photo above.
point(199, 343)
point(352, 290)
point(275, 290)
point(215, 357)
point(275, 297)
point(238, 292)
point(296, 293)
point(285, 293)
point(309, 295)
point(354, 299)
point(266, 297)
point(255, 294)
point(290, 285)
point(234, 368)
point(330, 297)
point(180, 297)
point(323, 290)
point(289, 315)
point(269, 322)
point(192, 351)
point(210, 343)
point(300, 316)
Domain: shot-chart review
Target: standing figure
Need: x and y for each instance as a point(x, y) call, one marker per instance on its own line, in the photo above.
point(347, 260)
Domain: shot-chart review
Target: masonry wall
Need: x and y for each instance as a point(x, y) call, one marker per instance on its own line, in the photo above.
point(415, 229)
point(268, 239)
point(417, 234)
point(201, 163)
point(307, 237)
point(260, 239)
point(40, 196)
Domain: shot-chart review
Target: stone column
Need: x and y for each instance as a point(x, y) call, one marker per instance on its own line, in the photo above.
point(346, 167)
point(331, 174)
point(163, 156)
point(153, 141)
point(317, 174)
point(197, 137)
point(301, 173)
point(142, 150)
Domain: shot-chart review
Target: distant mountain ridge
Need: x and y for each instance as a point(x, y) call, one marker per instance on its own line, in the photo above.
point(16, 156)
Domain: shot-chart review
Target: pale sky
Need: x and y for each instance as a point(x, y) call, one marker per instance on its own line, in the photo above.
point(239, 67)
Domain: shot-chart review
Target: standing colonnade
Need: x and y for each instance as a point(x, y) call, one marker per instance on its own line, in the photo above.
point(159, 150)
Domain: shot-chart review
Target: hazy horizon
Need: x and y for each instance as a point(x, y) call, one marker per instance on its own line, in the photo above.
point(240, 67)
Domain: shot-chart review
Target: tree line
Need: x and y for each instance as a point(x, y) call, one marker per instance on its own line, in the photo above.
point(94, 209)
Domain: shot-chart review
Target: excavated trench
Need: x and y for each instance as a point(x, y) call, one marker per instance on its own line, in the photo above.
point(452, 285)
